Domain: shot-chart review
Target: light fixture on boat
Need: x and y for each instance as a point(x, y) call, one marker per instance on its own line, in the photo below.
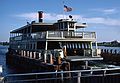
point(70, 16)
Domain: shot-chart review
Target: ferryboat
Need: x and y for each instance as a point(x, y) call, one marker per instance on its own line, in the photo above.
point(62, 45)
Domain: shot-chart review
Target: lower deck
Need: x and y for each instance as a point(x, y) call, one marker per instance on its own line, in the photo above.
point(49, 61)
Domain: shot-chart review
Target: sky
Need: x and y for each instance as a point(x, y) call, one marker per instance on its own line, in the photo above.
point(101, 16)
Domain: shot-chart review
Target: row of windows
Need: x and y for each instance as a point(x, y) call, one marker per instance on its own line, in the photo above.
point(78, 45)
point(51, 45)
point(56, 45)
point(60, 25)
point(24, 46)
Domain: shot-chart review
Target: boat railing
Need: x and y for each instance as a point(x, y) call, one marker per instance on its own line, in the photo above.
point(93, 75)
point(64, 34)
point(70, 34)
point(54, 34)
point(49, 55)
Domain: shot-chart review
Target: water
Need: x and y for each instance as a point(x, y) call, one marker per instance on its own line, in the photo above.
point(6, 68)
point(3, 50)
point(10, 69)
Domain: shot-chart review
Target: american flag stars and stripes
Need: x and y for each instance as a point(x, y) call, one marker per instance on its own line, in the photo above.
point(67, 9)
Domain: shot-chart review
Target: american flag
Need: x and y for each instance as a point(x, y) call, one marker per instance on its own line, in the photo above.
point(67, 9)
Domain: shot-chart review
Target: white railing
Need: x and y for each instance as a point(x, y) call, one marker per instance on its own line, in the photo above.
point(71, 34)
point(76, 76)
point(56, 34)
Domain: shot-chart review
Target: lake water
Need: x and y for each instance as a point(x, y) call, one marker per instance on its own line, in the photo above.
point(8, 69)
point(3, 50)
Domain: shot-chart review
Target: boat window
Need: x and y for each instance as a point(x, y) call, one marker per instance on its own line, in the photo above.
point(30, 46)
point(82, 45)
point(54, 45)
point(88, 45)
point(79, 46)
point(73, 45)
point(65, 25)
point(70, 46)
point(61, 26)
point(67, 45)
point(76, 46)
point(85, 45)
point(33, 46)
point(40, 45)
point(71, 25)
point(26, 46)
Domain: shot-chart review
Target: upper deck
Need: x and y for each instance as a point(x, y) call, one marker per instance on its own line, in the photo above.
point(56, 36)
point(62, 30)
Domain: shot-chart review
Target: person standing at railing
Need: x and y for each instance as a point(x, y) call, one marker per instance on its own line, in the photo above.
point(64, 51)
point(58, 58)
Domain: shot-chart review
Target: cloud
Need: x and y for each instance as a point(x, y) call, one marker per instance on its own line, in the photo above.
point(106, 11)
point(54, 17)
point(104, 21)
point(46, 16)
point(28, 16)
point(109, 11)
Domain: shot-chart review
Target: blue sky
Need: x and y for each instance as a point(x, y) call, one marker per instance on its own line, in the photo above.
point(102, 16)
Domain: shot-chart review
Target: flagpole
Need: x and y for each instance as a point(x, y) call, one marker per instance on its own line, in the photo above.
point(63, 10)
point(66, 9)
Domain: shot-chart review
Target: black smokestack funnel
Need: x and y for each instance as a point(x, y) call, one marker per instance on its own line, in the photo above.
point(40, 16)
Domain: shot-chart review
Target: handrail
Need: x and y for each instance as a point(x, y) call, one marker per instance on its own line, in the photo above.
point(77, 72)
point(55, 34)
point(74, 71)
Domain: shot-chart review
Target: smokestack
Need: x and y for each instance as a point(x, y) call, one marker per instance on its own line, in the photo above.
point(40, 16)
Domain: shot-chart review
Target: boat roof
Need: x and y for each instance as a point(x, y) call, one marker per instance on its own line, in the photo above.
point(42, 26)
point(34, 25)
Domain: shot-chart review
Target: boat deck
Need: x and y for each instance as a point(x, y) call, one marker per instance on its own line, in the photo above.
point(82, 58)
